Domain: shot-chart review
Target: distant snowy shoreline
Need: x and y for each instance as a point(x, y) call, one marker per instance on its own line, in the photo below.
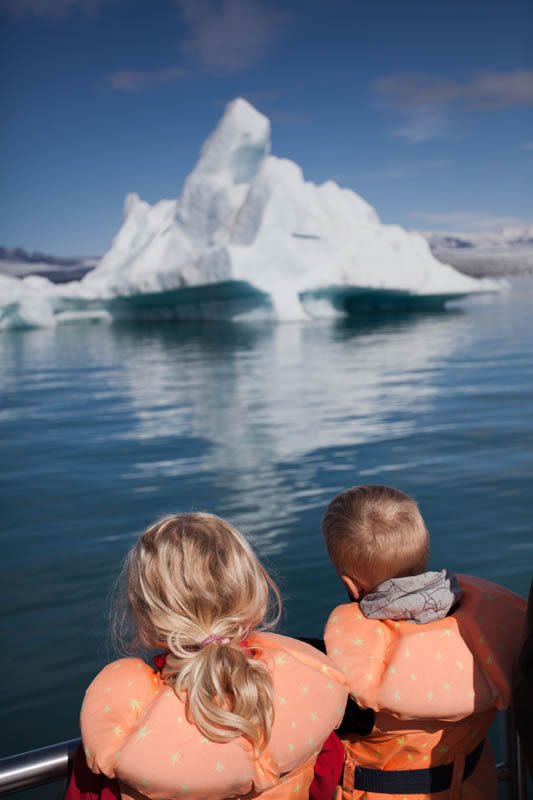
point(19, 263)
point(478, 259)
point(486, 255)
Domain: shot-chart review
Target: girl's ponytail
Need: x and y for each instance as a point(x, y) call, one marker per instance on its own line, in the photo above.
point(196, 589)
point(229, 693)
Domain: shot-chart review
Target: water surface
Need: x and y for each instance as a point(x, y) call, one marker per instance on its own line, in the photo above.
point(103, 428)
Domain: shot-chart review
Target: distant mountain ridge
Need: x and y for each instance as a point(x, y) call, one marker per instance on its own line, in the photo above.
point(18, 262)
point(509, 237)
point(36, 257)
point(509, 252)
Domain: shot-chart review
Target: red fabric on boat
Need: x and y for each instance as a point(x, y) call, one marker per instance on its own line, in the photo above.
point(328, 769)
point(85, 785)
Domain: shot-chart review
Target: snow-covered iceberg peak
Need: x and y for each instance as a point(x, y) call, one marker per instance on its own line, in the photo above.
point(229, 161)
point(178, 243)
point(238, 145)
point(248, 230)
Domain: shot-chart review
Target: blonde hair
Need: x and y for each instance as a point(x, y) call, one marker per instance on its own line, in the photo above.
point(374, 533)
point(191, 578)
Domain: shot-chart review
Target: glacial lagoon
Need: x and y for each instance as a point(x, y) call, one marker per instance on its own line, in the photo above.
point(105, 427)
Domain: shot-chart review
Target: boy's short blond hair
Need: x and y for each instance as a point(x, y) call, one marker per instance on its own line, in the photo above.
point(374, 533)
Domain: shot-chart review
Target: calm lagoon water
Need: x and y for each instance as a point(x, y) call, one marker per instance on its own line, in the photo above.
point(103, 428)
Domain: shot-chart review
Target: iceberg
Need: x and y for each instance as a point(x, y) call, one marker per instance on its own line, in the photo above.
point(23, 305)
point(248, 237)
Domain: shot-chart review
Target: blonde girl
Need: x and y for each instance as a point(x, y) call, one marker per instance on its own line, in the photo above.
point(234, 711)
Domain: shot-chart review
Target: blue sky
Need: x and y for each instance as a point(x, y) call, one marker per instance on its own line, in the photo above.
point(423, 108)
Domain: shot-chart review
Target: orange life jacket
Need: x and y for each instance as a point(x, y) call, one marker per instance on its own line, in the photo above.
point(136, 729)
point(434, 687)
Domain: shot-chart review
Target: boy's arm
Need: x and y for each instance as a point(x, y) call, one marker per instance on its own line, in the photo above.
point(356, 721)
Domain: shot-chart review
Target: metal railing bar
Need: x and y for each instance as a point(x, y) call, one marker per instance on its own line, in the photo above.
point(503, 771)
point(36, 767)
point(518, 777)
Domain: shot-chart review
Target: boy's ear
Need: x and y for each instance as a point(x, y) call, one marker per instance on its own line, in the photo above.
point(353, 589)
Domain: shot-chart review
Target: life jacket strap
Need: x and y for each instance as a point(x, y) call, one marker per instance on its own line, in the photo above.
point(413, 781)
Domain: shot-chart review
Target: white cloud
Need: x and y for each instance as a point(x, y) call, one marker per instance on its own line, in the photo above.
point(413, 90)
point(49, 8)
point(494, 90)
point(487, 90)
point(527, 146)
point(428, 103)
point(468, 221)
point(423, 124)
point(229, 35)
point(137, 80)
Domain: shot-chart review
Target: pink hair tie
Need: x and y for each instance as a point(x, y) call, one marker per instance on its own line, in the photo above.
point(214, 638)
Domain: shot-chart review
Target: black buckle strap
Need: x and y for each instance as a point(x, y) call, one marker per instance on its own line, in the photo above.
point(413, 781)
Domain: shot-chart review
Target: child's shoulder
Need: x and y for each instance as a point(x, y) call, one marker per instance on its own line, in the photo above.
point(488, 590)
point(123, 687)
point(116, 702)
point(294, 664)
point(280, 649)
point(123, 673)
point(490, 605)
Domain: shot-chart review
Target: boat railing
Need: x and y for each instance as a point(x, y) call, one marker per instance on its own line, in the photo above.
point(53, 763)
point(37, 767)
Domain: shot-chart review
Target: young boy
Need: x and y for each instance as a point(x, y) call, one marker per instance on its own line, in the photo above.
point(430, 653)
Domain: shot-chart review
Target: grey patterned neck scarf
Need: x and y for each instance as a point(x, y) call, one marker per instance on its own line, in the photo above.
point(420, 598)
